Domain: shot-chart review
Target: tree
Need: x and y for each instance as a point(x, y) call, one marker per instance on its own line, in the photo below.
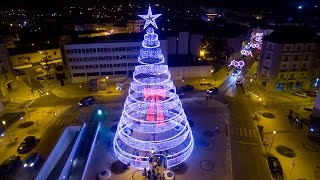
point(60, 74)
point(46, 62)
point(212, 48)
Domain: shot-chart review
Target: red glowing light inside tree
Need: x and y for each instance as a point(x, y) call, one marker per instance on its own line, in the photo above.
point(155, 95)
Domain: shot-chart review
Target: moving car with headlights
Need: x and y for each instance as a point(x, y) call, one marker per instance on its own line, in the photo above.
point(238, 82)
point(10, 164)
point(33, 161)
point(87, 101)
point(27, 145)
point(214, 90)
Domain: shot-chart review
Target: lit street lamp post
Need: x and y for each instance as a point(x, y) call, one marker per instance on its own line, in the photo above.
point(274, 132)
point(49, 101)
point(5, 129)
point(107, 78)
point(258, 107)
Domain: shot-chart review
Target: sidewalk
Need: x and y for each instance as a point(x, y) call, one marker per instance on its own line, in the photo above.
point(35, 125)
point(290, 145)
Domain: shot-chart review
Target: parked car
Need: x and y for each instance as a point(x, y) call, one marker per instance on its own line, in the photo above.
point(87, 101)
point(312, 93)
point(187, 88)
point(10, 165)
point(238, 82)
point(33, 161)
point(27, 145)
point(214, 90)
point(275, 166)
point(300, 94)
point(205, 83)
point(179, 93)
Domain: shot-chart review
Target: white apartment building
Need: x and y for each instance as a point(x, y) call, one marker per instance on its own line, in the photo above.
point(98, 57)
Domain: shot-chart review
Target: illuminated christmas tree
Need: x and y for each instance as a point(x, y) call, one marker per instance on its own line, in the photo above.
point(153, 122)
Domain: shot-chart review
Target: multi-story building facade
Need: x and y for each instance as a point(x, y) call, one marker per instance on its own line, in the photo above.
point(98, 57)
point(289, 60)
point(6, 75)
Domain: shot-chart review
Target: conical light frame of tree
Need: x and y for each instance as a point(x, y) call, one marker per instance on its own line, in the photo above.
point(153, 121)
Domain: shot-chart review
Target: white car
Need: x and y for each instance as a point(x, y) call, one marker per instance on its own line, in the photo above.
point(300, 94)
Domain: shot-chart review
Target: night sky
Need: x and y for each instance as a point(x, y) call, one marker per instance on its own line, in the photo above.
point(245, 4)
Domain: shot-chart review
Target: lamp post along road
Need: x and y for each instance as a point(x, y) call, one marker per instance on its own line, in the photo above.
point(6, 131)
point(274, 132)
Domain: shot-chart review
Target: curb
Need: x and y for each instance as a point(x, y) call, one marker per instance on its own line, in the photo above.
point(229, 157)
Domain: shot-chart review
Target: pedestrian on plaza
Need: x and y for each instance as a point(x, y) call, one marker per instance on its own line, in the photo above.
point(149, 174)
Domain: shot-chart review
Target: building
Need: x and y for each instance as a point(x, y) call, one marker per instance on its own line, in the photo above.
point(25, 58)
point(289, 60)
point(98, 57)
point(6, 75)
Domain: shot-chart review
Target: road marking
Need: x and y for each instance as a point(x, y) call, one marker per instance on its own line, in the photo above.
point(254, 133)
point(245, 132)
point(246, 143)
point(249, 132)
point(241, 134)
point(46, 89)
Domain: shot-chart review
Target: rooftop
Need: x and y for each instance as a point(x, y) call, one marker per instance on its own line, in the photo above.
point(179, 60)
point(285, 35)
point(120, 37)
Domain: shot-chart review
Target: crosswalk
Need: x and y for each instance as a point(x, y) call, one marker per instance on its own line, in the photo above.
point(66, 120)
point(230, 92)
point(244, 132)
point(12, 105)
point(41, 91)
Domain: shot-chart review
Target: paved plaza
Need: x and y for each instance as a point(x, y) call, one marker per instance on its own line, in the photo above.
point(210, 158)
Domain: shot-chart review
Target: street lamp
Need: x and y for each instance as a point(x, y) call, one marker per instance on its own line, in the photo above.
point(47, 93)
point(107, 77)
point(274, 133)
point(259, 106)
point(5, 129)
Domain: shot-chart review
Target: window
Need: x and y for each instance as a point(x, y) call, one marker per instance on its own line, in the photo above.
point(296, 58)
point(71, 51)
point(54, 53)
point(94, 50)
point(288, 48)
point(306, 58)
point(98, 49)
point(83, 50)
point(68, 51)
point(281, 76)
point(285, 58)
point(294, 66)
point(309, 47)
point(291, 75)
point(304, 66)
point(79, 51)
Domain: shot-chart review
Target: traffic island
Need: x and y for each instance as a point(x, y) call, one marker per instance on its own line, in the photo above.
point(286, 151)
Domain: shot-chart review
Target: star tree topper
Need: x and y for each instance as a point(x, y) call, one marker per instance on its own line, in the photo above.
point(150, 18)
